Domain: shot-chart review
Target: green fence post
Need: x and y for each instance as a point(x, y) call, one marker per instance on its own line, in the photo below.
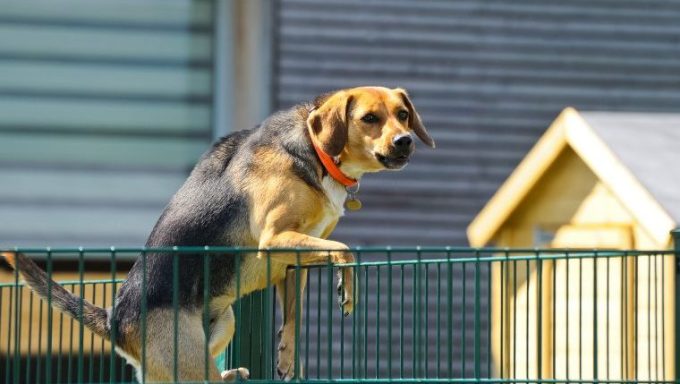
point(251, 348)
point(676, 242)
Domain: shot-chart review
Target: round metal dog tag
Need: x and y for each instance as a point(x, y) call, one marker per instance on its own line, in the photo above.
point(353, 204)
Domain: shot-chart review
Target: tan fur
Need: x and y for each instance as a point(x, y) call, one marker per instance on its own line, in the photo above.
point(10, 257)
point(190, 363)
point(414, 119)
point(287, 297)
point(329, 123)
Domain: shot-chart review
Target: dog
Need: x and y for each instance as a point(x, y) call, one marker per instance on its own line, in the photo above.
point(283, 184)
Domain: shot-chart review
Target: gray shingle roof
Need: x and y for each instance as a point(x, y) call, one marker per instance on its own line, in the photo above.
point(648, 144)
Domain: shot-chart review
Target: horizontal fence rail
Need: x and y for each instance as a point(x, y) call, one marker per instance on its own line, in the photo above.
point(419, 314)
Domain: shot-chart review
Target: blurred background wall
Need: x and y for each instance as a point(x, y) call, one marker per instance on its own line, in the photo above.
point(105, 106)
point(487, 77)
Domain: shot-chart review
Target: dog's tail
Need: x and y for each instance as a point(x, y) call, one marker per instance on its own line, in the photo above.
point(93, 317)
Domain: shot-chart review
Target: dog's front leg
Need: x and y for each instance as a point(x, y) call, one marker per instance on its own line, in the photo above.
point(289, 299)
point(338, 253)
point(286, 292)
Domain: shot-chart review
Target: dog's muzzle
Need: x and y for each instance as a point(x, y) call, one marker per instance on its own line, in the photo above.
point(400, 153)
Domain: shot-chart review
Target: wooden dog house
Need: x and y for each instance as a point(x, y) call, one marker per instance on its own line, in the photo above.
point(593, 180)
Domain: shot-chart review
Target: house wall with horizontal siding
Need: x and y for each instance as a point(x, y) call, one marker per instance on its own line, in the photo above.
point(488, 77)
point(104, 108)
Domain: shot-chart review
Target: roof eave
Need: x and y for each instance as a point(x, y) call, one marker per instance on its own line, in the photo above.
point(500, 207)
point(620, 181)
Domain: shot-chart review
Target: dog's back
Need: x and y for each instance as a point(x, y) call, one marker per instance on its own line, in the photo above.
point(206, 203)
point(200, 213)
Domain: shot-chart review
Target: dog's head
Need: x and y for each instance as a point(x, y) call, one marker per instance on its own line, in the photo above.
point(369, 128)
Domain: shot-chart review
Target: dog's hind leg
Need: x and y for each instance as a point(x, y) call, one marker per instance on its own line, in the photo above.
point(287, 295)
point(189, 363)
point(222, 328)
point(221, 332)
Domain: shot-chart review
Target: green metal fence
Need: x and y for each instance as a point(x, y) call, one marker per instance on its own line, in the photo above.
point(421, 314)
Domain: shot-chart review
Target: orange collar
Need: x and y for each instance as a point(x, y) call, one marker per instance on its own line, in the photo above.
point(332, 168)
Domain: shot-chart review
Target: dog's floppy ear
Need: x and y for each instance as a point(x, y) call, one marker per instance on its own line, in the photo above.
point(414, 120)
point(329, 122)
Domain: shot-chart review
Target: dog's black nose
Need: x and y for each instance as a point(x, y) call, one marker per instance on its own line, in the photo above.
point(402, 142)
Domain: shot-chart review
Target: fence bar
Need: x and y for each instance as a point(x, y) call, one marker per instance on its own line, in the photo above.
point(676, 242)
point(206, 315)
point(595, 355)
point(175, 306)
point(30, 337)
point(478, 329)
point(297, 321)
point(539, 345)
point(17, 326)
point(114, 324)
point(389, 315)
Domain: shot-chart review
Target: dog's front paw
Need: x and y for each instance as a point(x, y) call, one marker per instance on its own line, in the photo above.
point(346, 290)
point(285, 365)
point(232, 374)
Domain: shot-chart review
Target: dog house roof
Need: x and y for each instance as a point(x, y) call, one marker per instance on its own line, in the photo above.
point(636, 155)
point(648, 144)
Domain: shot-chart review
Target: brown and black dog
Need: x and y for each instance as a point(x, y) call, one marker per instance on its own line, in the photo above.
point(281, 185)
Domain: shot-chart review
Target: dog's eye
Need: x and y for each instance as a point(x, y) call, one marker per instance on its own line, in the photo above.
point(370, 118)
point(402, 115)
